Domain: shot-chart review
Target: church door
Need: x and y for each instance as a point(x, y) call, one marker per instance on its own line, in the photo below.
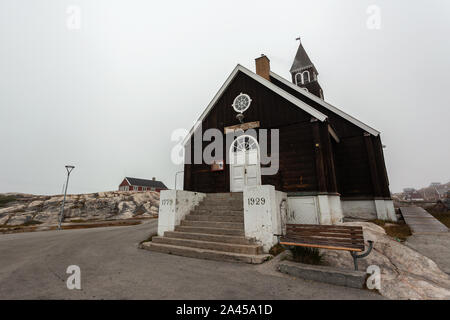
point(245, 167)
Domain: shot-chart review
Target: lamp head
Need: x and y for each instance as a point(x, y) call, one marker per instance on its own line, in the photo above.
point(69, 168)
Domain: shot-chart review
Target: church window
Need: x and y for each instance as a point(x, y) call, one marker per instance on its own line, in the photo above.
point(241, 102)
point(298, 78)
point(305, 77)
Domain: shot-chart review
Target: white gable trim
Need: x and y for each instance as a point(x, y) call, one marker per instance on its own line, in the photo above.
point(313, 112)
point(341, 113)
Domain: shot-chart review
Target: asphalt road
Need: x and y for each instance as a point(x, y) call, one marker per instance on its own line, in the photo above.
point(33, 266)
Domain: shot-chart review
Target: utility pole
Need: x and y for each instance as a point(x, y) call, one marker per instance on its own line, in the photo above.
point(61, 217)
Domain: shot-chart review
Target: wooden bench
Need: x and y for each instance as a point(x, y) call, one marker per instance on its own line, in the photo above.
point(333, 237)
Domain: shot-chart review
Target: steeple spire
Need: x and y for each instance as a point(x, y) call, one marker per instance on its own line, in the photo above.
point(301, 60)
point(304, 73)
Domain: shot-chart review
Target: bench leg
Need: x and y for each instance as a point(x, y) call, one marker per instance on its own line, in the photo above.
point(355, 259)
point(356, 256)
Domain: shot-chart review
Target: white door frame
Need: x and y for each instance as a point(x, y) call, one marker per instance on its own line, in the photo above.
point(254, 143)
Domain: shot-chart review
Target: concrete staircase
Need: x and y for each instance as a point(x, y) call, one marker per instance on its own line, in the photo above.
point(213, 230)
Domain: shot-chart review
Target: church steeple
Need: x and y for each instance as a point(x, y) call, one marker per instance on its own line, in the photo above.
point(304, 73)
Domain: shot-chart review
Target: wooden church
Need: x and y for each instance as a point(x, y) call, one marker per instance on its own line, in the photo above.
point(323, 151)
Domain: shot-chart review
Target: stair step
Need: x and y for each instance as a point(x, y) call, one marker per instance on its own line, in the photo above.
point(208, 237)
point(222, 207)
point(230, 232)
point(213, 224)
point(205, 253)
point(220, 212)
point(216, 218)
point(217, 246)
point(234, 202)
point(226, 195)
point(227, 199)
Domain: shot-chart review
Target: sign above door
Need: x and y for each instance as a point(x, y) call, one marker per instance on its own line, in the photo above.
point(242, 126)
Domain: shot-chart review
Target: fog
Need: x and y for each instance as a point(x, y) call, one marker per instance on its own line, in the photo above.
point(104, 92)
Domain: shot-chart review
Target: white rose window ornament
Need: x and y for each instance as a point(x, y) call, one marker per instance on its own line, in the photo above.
point(241, 102)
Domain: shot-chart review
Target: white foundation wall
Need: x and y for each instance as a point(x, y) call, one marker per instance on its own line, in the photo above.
point(174, 205)
point(390, 210)
point(320, 209)
point(369, 209)
point(264, 214)
point(385, 210)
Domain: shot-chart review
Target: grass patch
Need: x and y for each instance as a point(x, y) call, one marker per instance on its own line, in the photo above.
point(4, 200)
point(25, 224)
point(8, 226)
point(400, 231)
point(99, 225)
point(77, 221)
point(306, 255)
point(31, 223)
point(444, 218)
point(441, 214)
point(276, 249)
point(32, 226)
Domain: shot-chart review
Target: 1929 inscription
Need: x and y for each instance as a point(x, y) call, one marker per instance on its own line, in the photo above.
point(258, 201)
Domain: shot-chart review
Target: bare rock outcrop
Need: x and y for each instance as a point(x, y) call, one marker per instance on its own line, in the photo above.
point(22, 209)
point(405, 273)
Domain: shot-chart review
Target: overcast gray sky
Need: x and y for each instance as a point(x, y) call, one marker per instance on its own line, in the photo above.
point(106, 97)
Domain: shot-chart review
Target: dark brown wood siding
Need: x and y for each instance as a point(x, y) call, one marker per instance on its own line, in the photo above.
point(351, 154)
point(310, 160)
point(297, 171)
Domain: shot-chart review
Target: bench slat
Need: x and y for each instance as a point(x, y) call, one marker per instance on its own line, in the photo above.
point(320, 246)
point(335, 237)
point(328, 234)
point(323, 242)
point(322, 239)
point(357, 230)
point(324, 226)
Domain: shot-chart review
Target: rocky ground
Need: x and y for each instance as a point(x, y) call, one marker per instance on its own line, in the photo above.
point(405, 273)
point(25, 209)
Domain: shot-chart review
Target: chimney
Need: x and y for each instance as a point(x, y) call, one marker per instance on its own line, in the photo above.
point(263, 67)
point(153, 178)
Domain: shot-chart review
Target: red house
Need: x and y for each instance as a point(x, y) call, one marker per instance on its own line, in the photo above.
point(135, 184)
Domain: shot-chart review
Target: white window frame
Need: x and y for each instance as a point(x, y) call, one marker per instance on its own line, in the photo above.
point(296, 78)
point(238, 96)
point(303, 77)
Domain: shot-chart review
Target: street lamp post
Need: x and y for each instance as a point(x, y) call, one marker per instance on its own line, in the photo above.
point(61, 217)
